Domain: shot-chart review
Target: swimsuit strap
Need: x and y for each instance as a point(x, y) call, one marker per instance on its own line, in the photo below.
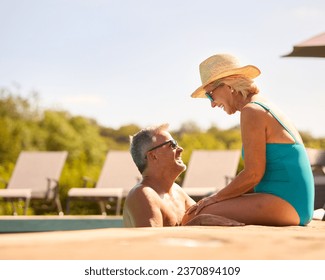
point(275, 116)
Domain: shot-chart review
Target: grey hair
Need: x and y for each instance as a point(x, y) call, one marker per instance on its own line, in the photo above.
point(143, 141)
point(241, 84)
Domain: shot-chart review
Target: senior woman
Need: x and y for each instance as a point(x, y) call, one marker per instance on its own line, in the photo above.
point(276, 186)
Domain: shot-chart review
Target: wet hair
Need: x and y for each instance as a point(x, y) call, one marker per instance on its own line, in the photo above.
point(143, 141)
point(239, 83)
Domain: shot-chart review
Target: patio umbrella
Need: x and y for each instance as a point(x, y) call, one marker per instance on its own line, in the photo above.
point(313, 47)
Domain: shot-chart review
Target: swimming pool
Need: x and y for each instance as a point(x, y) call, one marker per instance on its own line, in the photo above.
point(11, 224)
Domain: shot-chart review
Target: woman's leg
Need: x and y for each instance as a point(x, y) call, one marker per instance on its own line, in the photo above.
point(253, 209)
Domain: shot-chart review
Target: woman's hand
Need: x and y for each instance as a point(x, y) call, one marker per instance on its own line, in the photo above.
point(201, 204)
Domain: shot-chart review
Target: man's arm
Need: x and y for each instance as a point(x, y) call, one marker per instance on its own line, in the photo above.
point(143, 208)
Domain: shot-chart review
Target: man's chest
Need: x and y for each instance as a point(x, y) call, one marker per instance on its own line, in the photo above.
point(173, 212)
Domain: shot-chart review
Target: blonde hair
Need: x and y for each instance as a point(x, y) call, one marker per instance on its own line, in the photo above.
point(241, 84)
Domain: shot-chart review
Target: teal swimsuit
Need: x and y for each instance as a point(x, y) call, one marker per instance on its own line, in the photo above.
point(288, 174)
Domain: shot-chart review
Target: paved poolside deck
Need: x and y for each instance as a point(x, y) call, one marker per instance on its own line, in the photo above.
point(173, 243)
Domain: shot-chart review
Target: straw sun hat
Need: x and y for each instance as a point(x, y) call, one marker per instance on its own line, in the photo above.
point(221, 66)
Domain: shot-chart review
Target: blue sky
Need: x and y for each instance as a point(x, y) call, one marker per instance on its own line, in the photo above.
point(123, 62)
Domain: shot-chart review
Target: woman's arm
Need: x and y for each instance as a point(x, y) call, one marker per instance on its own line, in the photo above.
point(253, 130)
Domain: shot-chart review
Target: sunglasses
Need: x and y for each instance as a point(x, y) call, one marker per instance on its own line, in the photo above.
point(209, 96)
point(173, 145)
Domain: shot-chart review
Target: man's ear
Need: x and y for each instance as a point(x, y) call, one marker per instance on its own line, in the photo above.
point(151, 155)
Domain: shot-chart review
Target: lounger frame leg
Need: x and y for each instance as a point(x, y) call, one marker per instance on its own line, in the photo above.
point(102, 207)
point(59, 206)
point(14, 210)
point(118, 205)
point(27, 200)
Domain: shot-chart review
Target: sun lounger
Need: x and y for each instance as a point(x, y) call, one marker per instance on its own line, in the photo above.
point(118, 175)
point(36, 176)
point(209, 171)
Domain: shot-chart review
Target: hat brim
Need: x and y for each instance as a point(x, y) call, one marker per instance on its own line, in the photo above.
point(249, 71)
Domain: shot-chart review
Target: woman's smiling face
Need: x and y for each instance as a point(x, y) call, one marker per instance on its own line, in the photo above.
point(221, 97)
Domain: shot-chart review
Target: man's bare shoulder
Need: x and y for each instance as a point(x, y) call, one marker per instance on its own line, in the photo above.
point(141, 192)
point(142, 207)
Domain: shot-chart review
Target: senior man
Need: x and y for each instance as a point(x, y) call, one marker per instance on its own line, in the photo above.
point(157, 201)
